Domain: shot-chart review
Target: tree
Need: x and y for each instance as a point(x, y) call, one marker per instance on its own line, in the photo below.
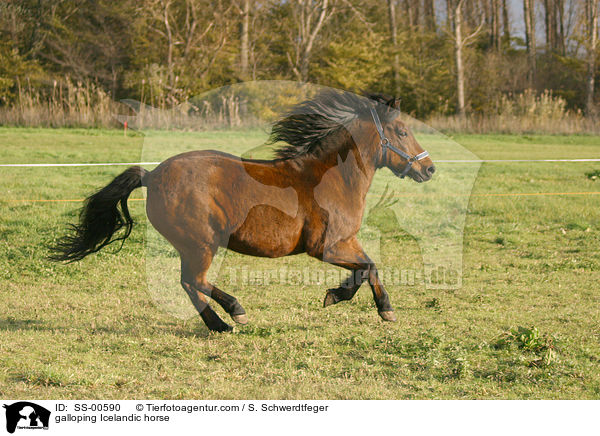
point(165, 51)
point(429, 12)
point(505, 23)
point(245, 39)
point(191, 35)
point(308, 17)
point(460, 42)
point(591, 21)
point(529, 18)
point(91, 43)
point(494, 24)
point(554, 20)
point(394, 35)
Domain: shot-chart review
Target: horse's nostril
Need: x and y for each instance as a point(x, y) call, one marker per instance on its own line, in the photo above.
point(431, 170)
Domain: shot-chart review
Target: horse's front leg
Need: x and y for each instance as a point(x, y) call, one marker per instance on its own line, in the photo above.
point(350, 255)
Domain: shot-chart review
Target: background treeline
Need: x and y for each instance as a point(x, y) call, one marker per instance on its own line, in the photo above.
point(461, 64)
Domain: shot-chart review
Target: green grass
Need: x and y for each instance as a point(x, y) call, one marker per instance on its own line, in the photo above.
point(524, 324)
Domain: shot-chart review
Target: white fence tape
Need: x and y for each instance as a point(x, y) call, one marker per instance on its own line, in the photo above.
point(156, 163)
point(78, 164)
point(517, 160)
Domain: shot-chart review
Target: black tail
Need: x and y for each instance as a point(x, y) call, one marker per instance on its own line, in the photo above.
point(100, 218)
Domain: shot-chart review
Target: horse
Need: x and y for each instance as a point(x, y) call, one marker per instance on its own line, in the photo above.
point(309, 199)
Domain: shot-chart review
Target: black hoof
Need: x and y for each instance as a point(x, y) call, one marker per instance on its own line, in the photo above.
point(221, 328)
point(330, 298)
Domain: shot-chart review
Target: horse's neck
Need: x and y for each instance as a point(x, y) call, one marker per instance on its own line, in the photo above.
point(349, 165)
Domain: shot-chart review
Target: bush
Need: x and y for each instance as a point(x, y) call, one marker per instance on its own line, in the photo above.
point(526, 112)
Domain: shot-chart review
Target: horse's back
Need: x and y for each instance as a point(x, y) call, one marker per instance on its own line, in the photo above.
point(213, 198)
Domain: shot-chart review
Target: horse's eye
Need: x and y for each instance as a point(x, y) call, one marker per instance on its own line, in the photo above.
point(402, 133)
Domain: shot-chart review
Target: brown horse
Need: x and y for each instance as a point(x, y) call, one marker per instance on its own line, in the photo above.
point(310, 199)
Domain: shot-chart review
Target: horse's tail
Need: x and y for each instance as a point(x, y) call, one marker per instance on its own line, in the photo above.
point(100, 218)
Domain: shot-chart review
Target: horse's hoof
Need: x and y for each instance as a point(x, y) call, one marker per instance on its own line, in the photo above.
point(388, 315)
point(240, 319)
point(329, 299)
point(221, 328)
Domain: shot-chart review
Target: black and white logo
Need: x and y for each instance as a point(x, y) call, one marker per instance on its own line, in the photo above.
point(26, 415)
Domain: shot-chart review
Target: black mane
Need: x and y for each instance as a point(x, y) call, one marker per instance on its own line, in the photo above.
point(306, 126)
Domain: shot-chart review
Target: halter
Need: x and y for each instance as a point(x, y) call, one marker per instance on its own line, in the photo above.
point(385, 144)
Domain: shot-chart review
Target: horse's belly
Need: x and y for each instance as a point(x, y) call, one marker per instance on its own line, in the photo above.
point(267, 232)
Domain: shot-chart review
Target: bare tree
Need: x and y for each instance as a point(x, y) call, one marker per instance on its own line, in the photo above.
point(194, 36)
point(394, 34)
point(412, 9)
point(554, 20)
point(529, 18)
point(460, 42)
point(429, 14)
point(505, 23)
point(494, 23)
point(561, 43)
point(309, 17)
point(550, 24)
point(591, 21)
point(245, 38)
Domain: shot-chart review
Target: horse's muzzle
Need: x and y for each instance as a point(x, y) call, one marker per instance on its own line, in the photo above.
point(422, 176)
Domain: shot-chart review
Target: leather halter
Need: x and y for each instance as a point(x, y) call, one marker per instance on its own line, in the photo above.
point(385, 144)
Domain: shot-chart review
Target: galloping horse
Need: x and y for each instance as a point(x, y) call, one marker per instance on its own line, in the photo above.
point(310, 199)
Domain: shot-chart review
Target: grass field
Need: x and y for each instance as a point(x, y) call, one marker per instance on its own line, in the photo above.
point(524, 324)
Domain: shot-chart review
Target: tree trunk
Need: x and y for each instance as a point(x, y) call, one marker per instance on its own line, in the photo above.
point(245, 39)
point(550, 22)
point(394, 34)
point(412, 12)
point(306, 50)
point(429, 13)
point(547, 25)
point(494, 22)
point(560, 29)
point(591, 9)
point(529, 17)
point(406, 12)
point(460, 71)
point(170, 47)
point(505, 23)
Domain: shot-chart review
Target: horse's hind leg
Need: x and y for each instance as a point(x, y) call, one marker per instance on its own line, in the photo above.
point(212, 320)
point(193, 276)
point(229, 303)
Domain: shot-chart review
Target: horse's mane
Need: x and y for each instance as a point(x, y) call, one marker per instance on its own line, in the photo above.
point(306, 126)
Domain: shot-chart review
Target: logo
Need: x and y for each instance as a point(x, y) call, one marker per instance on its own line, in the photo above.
point(26, 415)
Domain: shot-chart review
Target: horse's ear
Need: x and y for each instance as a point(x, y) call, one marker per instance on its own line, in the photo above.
point(393, 109)
point(394, 103)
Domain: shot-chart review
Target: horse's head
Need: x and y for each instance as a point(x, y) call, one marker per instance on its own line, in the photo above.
point(400, 151)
